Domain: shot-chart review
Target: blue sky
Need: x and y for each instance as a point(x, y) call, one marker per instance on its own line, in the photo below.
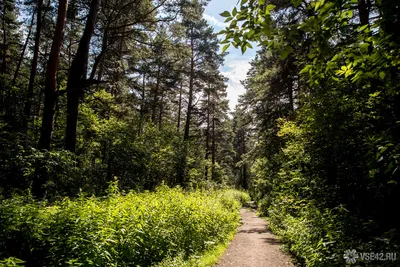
point(236, 64)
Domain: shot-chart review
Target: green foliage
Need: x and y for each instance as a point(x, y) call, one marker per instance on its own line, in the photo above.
point(321, 108)
point(117, 230)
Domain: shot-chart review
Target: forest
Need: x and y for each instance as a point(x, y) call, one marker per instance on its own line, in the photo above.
point(118, 146)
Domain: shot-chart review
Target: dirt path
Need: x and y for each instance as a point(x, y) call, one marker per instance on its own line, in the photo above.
point(254, 246)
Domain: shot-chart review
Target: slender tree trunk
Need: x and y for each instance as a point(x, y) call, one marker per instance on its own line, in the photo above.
point(290, 95)
point(50, 96)
point(29, 96)
point(155, 97)
point(178, 127)
point(161, 112)
point(51, 82)
point(100, 73)
point(245, 184)
point(142, 104)
point(4, 64)
point(21, 58)
point(77, 77)
point(213, 148)
point(207, 134)
point(191, 85)
point(364, 7)
point(182, 168)
point(100, 57)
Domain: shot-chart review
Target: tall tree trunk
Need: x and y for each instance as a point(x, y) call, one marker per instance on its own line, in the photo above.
point(191, 85)
point(364, 8)
point(21, 58)
point(182, 168)
point(178, 126)
point(50, 96)
point(161, 112)
point(245, 184)
point(51, 82)
point(207, 135)
point(100, 57)
point(213, 148)
point(4, 64)
point(77, 77)
point(290, 95)
point(142, 104)
point(29, 96)
point(155, 97)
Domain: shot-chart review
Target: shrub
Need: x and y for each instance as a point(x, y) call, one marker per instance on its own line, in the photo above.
point(135, 229)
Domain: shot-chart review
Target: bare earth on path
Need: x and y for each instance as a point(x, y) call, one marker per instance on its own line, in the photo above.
point(254, 246)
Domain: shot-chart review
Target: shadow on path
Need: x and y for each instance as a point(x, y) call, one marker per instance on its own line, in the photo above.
point(254, 245)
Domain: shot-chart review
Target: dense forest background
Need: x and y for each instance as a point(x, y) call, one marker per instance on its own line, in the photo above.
point(93, 91)
point(320, 122)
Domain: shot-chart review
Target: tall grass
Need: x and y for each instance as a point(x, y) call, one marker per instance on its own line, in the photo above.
point(138, 229)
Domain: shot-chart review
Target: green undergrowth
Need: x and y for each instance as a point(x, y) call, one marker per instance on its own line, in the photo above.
point(168, 227)
point(320, 238)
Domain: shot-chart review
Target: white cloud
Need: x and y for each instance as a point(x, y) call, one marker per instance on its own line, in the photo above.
point(236, 70)
point(214, 21)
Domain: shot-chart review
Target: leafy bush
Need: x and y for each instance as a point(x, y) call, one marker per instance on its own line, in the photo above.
point(241, 196)
point(314, 227)
point(135, 229)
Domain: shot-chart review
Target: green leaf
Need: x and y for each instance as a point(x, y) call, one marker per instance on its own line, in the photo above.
point(364, 47)
point(335, 58)
point(243, 2)
point(225, 48)
point(250, 33)
point(327, 7)
point(234, 12)
point(382, 75)
point(225, 14)
point(261, 2)
point(244, 48)
point(319, 4)
point(270, 7)
point(363, 27)
point(305, 69)
point(229, 19)
point(286, 51)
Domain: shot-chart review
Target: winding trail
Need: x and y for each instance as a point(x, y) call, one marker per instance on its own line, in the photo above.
point(254, 246)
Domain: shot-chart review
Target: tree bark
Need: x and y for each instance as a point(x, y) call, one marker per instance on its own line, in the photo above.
point(3, 68)
point(100, 57)
point(50, 97)
point(191, 85)
point(77, 77)
point(213, 148)
point(51, 82)
point(21, 58)
point(178, 126)
point(4, 64)
point(207, 134)
point(142, 104)
point(161, 112)
point(290, 95)
point(29, 96)
point(364, 7)
point(155, 97)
